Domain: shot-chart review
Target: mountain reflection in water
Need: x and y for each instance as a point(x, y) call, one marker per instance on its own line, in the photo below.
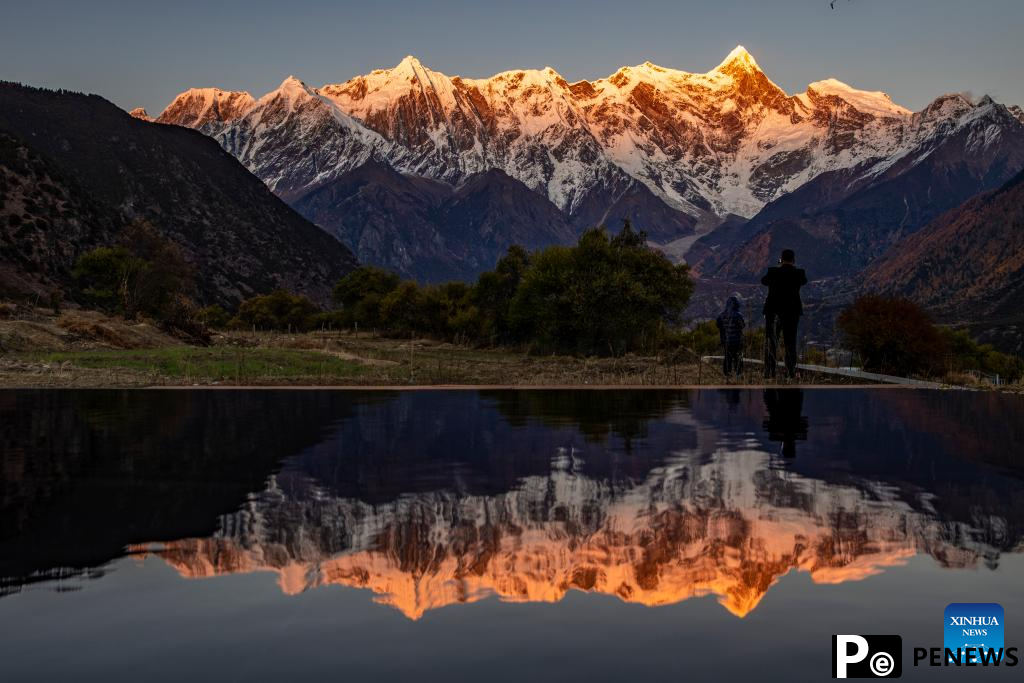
point(434, 498)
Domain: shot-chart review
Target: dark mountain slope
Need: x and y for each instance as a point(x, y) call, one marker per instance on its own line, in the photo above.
point(966, 265)
point(240, 237)
point(429, 230)
point(46, 221)
point(624, 198)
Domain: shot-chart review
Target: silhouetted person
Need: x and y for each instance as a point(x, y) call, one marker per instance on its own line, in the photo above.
point(782, 311)
point(730, 324)
point(785, 422)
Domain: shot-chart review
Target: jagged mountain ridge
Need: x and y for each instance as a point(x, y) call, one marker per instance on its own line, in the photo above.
point(842, 220)
point(725, 141)
point(838, 173)
point(565, 532)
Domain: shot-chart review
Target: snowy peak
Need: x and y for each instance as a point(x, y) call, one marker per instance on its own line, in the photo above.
point(726, 141)
point(140, 113)
point(950, 105)
point(293, 84)
point(408, 64)
point(203, 107)
point(291, 90)
point(1016, 111)
point(739, 60)
point(876, 103)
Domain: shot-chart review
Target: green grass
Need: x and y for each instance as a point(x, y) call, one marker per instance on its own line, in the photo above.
point(223, 364)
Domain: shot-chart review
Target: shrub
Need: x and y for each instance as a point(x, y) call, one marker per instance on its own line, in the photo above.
point(967, 354)
point(145, 273)
point(702, 339)
point(815, 356)
point(213, 316)
point(279, 310)
point(893, 335)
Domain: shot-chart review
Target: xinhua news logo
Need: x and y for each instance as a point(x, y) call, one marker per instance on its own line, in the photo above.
point(975, 629)
point(867, 656)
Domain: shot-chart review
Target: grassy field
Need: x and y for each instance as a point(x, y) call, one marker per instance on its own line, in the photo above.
point(347, 360)
point(87, 349)
point(215, 364)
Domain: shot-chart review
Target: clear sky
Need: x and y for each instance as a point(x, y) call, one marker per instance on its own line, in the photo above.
point(142, 53)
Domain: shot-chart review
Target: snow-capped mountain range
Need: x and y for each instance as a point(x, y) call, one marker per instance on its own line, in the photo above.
point(702, 146)
point(725, 141)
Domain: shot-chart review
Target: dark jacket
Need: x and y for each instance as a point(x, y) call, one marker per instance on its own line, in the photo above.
point(730, 324)
point(784, 283)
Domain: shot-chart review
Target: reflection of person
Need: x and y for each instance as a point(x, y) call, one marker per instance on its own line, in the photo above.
point(785, 422)
point(730, 325)
point(782, 310)
point(732, 398)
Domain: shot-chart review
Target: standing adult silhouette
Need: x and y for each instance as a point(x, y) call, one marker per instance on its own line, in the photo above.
point(782, 311)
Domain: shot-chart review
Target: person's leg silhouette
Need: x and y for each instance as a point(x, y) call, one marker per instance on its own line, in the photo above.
point(789, 331)
point(771, 344)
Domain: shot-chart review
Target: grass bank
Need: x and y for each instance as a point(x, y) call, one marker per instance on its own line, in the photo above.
point(214, 364)
point(84, 349)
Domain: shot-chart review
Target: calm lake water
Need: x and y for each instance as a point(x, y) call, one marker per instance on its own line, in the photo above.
point(511, 535)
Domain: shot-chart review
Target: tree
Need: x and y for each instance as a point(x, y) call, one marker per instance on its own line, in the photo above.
point(893, 335)
point(492, 297)
point(604, 295)
point(213, 316)
point(279, 310)
point(144, 273)
point(404, 310)
point(360, 294)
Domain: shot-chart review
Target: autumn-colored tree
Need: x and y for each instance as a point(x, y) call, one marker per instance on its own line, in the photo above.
point(893, 335)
